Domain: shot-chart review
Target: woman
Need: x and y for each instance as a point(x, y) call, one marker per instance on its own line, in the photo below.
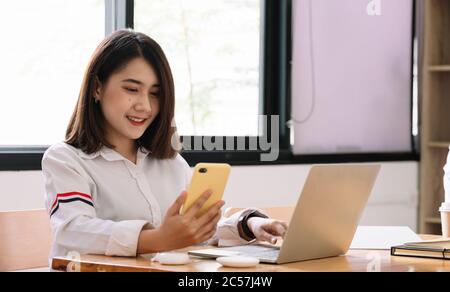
point(111, 187)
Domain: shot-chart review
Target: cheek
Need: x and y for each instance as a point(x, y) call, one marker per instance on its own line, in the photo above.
point(118, 101)
point(155, 107)
point(114, 105)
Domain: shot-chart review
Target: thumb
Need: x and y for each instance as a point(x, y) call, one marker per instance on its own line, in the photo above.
point(176, 206)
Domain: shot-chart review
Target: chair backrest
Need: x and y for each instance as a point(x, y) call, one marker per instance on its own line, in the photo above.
point(25, 240)
point(283, 213)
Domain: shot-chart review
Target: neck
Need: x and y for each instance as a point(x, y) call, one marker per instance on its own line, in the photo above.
point(125, 147)
point(127, 150)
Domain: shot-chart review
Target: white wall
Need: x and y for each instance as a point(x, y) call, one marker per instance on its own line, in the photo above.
point(394, 200)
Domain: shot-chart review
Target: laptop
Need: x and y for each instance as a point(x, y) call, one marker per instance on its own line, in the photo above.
point(324, 221)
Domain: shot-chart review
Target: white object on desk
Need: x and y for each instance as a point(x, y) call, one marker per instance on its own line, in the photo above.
point(382, 237)
point(172, 258)
point(238, 261)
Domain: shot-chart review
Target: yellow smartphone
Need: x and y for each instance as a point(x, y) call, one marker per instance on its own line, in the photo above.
point(207, 176)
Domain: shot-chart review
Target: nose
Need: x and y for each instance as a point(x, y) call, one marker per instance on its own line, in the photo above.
point(143, 104)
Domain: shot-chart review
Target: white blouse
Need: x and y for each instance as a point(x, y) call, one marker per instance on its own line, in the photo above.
point(99, 203)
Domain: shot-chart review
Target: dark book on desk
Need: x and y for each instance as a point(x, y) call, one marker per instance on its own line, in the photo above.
point(438, 249)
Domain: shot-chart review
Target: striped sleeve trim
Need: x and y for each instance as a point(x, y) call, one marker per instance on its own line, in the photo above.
point(69, 198)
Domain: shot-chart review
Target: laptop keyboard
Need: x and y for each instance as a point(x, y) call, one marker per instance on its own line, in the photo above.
point(258, 251)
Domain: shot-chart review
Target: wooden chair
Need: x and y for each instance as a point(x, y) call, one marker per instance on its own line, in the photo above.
point(283, 213)
point(25, 240)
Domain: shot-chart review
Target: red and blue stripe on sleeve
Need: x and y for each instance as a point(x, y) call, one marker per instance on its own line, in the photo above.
point(69, 198)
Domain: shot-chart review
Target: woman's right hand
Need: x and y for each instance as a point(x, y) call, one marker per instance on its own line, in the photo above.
point(179, 231)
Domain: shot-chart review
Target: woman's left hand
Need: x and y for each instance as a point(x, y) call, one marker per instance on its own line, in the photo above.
point(267, 229)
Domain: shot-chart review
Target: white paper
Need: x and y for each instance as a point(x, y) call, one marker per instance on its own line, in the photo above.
point(382, 237)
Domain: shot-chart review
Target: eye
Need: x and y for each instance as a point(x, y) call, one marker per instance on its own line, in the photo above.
point(155, 94)
point(132, 90)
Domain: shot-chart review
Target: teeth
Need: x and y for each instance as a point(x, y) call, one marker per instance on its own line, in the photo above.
point(136, 120)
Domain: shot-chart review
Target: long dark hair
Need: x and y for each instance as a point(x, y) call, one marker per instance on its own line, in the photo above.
point(86, 129)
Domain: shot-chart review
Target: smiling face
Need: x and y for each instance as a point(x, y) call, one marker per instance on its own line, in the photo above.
point(129, 102)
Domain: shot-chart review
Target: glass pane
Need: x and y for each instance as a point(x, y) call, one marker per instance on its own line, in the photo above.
point(356, 93)
point(46, 46)
point(213, 47)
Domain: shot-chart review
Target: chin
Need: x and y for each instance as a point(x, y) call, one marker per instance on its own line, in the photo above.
point(138, 136)
point(135, 137)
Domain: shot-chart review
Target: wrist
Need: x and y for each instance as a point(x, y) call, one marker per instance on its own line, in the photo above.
point(250, 223)
point(150, 241)
point(244, 229)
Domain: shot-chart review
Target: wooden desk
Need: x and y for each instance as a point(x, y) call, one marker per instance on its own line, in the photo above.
point(353, 261)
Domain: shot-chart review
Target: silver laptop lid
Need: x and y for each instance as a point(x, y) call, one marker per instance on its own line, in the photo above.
point(328, 211)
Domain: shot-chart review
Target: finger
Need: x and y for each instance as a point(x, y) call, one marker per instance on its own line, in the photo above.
point(213, 224)
point(212, 213)
point(280, 229)
point(282, 223)
point(275, 228)
point(265, 236)
point(192, 211)
point(210, 225)
point(176, 206)
point(209, 235)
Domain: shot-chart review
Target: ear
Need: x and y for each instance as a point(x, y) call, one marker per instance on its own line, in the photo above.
point(98, 87)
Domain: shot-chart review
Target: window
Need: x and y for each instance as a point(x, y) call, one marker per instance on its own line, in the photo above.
point(231, 61)
point(352, 77)
point(213, 47)
point(45, 47)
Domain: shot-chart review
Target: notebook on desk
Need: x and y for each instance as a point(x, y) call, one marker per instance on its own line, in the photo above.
point(438, 249)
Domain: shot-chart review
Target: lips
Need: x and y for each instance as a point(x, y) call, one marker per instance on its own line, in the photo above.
point(136, 121)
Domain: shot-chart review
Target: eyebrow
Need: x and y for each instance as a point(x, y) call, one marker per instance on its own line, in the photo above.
point(139, 82)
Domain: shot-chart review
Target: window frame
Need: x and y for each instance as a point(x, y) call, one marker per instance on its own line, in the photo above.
point(274, 57)
point(414, 154)
point(276, 52)
point(118, 15)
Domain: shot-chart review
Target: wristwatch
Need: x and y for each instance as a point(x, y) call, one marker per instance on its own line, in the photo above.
point(243, 229)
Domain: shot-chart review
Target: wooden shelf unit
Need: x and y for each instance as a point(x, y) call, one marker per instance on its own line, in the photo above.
point(443, 68)
point(434, 144)
point(435, 128)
